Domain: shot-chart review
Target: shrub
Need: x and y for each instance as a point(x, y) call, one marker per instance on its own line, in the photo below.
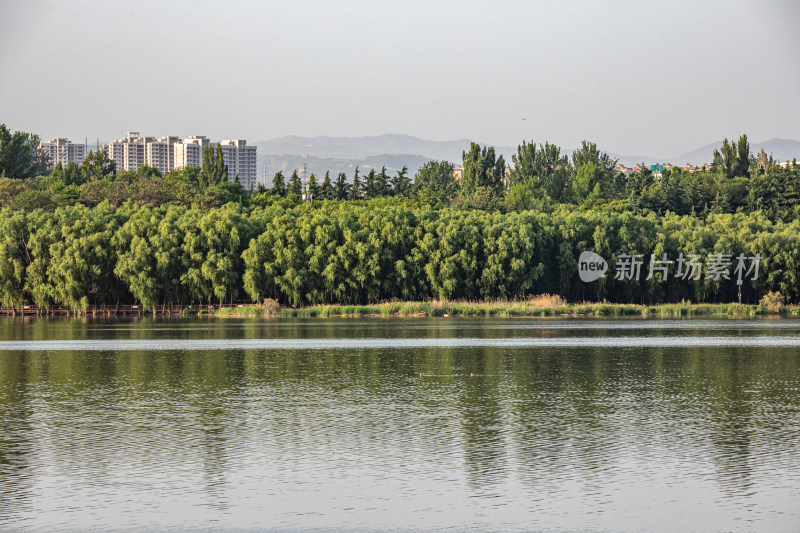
point(270, 307)
point(546, 300)
point(773, 301)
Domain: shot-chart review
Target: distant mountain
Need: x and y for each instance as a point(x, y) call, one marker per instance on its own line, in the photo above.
point(781, 150)
point(361, 147)
point(287, 163)
point(343, 154)
point(631, 160)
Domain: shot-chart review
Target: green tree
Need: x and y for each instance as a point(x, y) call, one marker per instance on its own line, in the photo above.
point(371, 185)
point(355, 188)
point(278, 185)
point(136, 263)
point(295, 185)
point(541, 169)
point(20, 156)
point(82, 260)
point(733, 159)
point(589, 154)
point(97, 166)
point(434, 181)
point(220, 168)
point(591, 184)
point(401, 182)
point(146, 171)
point(313, 188)
point(382, 185)
point(342, 189)
point(66, 175)
point(742, 158)
point(326, 191)
point(208, 176)
point(13, 257)
point(482, 170)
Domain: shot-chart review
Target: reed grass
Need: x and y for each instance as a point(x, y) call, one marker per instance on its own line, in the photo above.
point(543, 305)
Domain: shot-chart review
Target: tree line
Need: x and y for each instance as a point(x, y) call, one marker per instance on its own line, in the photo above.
point(539, 177)
point(368, 251)
point(92, 234)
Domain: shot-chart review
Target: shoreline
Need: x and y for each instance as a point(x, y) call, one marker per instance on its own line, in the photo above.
point(531, 309)
point(544, 306)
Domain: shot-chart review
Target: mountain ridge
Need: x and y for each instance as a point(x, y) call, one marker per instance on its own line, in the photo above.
point(395, 150)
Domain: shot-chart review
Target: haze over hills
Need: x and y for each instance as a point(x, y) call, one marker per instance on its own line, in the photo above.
point(343, 154)
point(361, 147)
point(780, 149)
point(287, 163)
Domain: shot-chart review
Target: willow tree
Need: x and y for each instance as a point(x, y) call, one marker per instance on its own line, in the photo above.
point(13, 257)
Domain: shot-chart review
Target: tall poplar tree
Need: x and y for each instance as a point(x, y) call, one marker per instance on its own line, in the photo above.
point(312, 188)
point(278, 185)
point(220, 168)
point(733, 159)
point(342, 188)
point(207, 176)
point(482, 169)
point(326, 191)
point(370, 185)
point(295, 185)
point(355, 189)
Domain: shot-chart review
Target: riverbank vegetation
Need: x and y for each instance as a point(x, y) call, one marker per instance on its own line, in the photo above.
point(543, 305)
point(353, 253)
point(90, 234)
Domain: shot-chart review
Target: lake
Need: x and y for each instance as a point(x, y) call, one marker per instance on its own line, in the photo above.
point(390, 424)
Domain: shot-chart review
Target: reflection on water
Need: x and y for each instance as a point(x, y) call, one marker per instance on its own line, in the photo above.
point(400, 424)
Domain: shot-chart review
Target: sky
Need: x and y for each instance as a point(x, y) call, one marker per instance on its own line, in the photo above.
point(637, 77)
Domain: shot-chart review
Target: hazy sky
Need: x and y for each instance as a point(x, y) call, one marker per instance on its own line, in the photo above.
point(638, 77)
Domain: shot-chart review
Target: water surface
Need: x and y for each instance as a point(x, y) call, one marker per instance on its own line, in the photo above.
point(400, 424)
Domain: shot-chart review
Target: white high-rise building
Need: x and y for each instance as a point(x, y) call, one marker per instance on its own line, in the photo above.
point(128, 153)
point(170, 153)
point(160, 153)
point(189, 153)
point(63, 151)
point(241, 162)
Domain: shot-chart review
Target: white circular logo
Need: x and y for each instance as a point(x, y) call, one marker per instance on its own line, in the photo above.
point(591, 267)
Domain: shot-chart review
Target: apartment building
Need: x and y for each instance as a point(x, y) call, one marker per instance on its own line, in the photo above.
point(160, 153)
point(241, 162)
point(128, 153)
point(189, 153)
point(63, 151)
point(133, 151)
point(170, 153)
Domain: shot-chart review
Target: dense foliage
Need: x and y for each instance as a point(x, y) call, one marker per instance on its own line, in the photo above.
point(91, 234)
point(345, 252)
point(20, 156)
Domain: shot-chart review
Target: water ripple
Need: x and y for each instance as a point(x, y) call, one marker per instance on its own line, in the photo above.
point(404, 343)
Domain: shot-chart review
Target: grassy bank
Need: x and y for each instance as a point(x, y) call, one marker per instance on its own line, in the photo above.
point(538, 306)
